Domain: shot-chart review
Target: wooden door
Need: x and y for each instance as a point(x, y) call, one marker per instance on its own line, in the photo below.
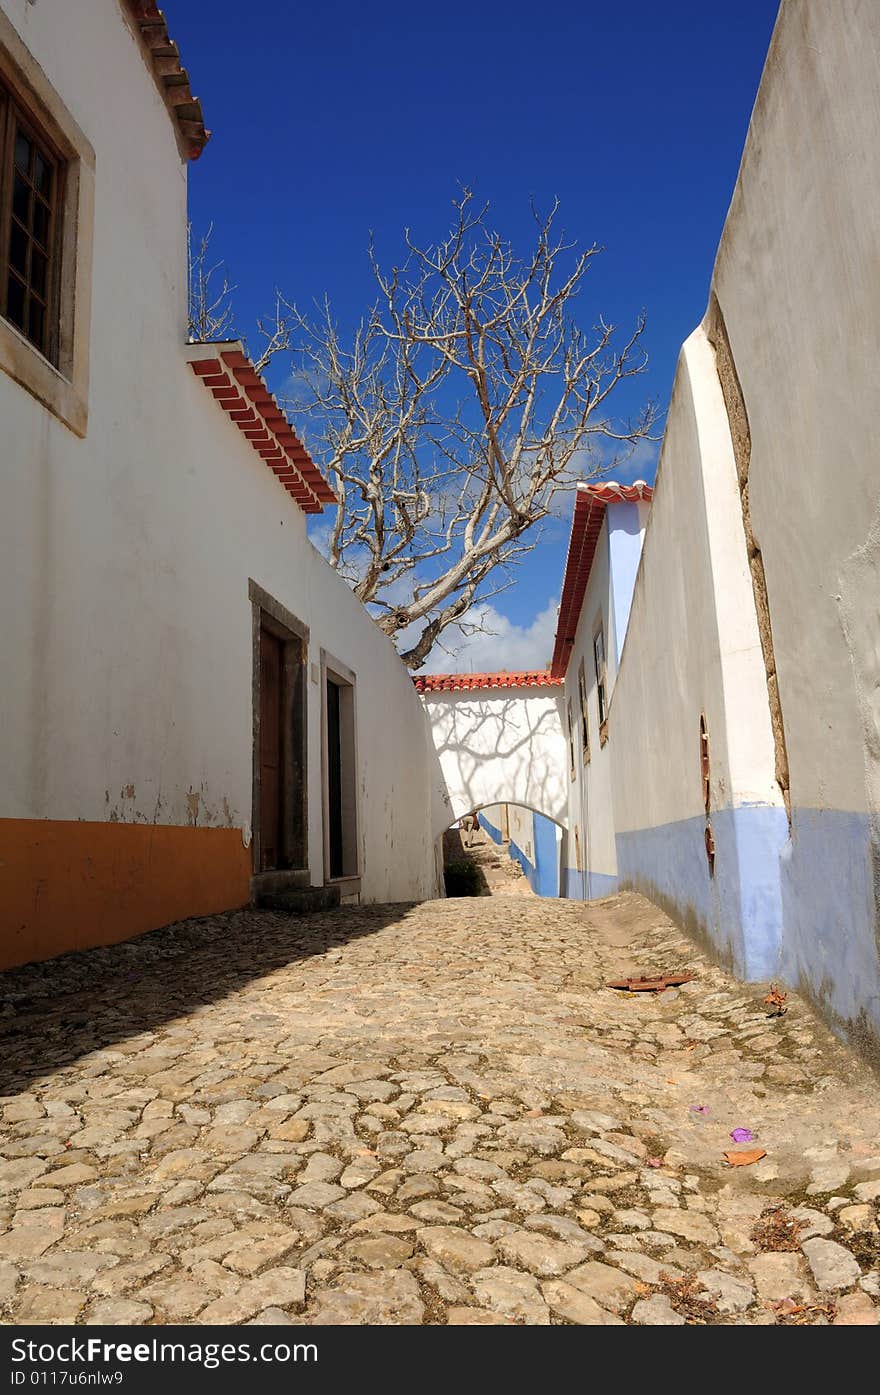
point(271, 750)
point(334, 780)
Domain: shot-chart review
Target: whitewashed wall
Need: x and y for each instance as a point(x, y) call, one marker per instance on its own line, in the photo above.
point(125, 556)
point(499, 747)
point(590, 802)
point(692, 649)
point(521, 829)
point(496, 815)
point(797, 281)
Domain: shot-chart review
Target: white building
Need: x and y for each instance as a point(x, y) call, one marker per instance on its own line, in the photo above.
point(190, 695)
point(607, 531)
point(721, 659)
point(197, 709)
point(756, 613)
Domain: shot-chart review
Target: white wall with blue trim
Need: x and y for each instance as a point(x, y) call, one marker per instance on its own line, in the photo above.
point(590, 858)
point(532, 840)
point(772, 425)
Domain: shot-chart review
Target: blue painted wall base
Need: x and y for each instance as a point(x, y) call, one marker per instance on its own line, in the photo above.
point(739, 906)
point(543, 873)
point(487, 827)
point(588, 886)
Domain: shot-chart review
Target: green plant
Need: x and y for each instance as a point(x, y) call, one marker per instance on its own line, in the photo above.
point(462, 879)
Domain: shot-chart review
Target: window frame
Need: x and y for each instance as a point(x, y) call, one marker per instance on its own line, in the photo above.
point(15, 117)
point(572, 763)
point(601, 667)
point(59, 379)
point(333, 671)
point(585, 714)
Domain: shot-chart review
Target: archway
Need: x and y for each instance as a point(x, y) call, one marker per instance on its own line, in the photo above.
point(510, 846)
point(494, 747)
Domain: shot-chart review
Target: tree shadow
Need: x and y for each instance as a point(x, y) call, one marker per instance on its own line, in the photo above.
point(61, 1010)
point(499, 749)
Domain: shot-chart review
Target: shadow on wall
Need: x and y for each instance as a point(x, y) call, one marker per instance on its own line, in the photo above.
point(493, 753)
point(90, 1001)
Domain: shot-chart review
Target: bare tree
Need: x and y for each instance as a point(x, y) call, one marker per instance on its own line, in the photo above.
point(210, 314)
point(209, 294)
point(463, 403)
point(465, 400)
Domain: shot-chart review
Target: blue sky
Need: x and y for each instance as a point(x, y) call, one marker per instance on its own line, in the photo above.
point(330, 121)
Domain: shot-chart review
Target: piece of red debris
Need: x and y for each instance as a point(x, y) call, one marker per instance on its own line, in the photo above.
point(650, 983)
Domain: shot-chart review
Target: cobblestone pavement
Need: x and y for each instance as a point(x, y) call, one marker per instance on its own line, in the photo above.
point(426, 1114)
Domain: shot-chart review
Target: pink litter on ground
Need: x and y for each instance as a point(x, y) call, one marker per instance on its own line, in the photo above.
point(742, 1135)
point(699, 1109)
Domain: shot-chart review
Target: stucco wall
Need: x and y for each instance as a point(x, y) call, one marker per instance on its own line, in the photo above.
point(798, 297)
point(796, 278)
point(124, 566)
point(493, 820)
point(498, 747)
point(693, 648)
point(607, 602)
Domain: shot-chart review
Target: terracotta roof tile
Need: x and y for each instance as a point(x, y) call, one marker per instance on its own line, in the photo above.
point(591, 501)
point(232, 379)
point(466, 682)
point(171, 77)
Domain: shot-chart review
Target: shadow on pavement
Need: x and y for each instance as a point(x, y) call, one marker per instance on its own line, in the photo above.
point(56, 1012)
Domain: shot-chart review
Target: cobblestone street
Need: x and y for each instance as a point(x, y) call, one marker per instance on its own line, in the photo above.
point(427, 1114)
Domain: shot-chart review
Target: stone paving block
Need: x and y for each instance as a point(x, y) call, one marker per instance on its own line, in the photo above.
point(410, 1115)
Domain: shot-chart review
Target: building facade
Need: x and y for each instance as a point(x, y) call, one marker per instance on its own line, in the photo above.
point(720, 660)
point(191, 697)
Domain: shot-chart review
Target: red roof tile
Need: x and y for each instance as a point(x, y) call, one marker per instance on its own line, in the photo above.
point(465, 682)
point(172, 79)
point(589, 511)
point(241, 392)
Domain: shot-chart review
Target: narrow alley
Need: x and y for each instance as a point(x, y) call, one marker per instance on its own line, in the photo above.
point(434, 1113)
point(497, 872)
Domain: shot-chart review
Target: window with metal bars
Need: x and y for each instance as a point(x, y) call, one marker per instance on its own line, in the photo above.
point(31, 194)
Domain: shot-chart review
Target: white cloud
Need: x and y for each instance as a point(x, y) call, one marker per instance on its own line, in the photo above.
point(500, 643)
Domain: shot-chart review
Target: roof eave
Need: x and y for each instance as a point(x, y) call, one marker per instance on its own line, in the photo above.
point(162, 57)
point(226, 371)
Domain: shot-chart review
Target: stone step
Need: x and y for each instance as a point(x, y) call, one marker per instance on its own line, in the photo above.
point(283, 880)
point(299, 900)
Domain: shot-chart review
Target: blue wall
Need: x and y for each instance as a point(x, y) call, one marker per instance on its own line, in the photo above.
point(588, 886)
point(829, 908)
point(801, 906)
point(739, 908)
point(493, 832)
point(543, 873)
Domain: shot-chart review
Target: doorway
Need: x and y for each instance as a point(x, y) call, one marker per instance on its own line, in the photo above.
point(280, 822)
point(271, 749)
point(340, 773)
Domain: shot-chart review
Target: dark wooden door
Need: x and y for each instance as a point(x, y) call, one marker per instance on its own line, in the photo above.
point(271, 750)
point(334, 780)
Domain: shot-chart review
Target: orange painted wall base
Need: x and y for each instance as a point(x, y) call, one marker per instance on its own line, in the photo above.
point(73, 885)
